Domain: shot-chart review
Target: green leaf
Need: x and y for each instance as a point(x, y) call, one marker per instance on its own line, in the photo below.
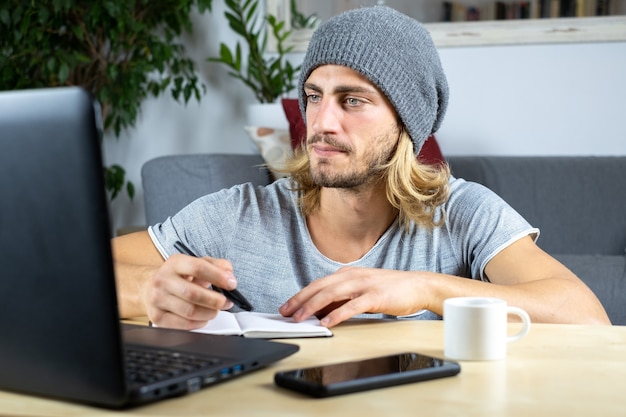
point(204, 5)
point(187, 92)
point(5, 17)
point(251, 11)
point(130, 189)
point(44, 15)
point(64, 72)
point(112, 72)
point(78, 32)
point(51, 64)
point(237, 63)
point(225, 54)
point(114, 179)
point(236, 25)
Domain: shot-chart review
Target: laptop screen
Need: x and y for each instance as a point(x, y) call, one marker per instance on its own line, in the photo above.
point(57, 289)
point(61, 335)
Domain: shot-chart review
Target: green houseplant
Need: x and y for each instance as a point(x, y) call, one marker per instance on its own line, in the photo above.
point(269, 76)
point(300, 21)
point(122, 51)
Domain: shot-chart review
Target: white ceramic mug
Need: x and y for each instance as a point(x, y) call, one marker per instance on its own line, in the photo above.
point(475, 328)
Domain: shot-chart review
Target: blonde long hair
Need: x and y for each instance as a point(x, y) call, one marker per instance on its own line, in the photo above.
point(414, 188)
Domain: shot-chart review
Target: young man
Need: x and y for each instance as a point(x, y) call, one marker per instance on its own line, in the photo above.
point(361, 226)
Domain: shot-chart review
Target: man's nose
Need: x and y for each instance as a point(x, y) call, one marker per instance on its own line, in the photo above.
point(324, 117)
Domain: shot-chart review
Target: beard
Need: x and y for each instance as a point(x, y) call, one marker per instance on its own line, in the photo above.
point(365, 171)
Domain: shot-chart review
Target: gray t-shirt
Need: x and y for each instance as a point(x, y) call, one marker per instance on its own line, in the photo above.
point(263, 233)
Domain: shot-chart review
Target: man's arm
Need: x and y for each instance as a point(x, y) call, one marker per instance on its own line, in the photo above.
point(544, 286)
point(136, 260)
point(172, 292)
point(522, 274)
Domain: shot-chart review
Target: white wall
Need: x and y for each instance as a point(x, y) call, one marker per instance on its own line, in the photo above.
point(517, 100)
point(562, 99)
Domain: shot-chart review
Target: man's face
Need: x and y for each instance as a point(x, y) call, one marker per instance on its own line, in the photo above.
point(351, 127)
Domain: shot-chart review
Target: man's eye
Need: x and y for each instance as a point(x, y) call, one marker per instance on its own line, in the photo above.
point(352, 101)
point(313, 98)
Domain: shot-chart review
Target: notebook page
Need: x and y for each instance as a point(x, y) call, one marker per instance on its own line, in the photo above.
point(224, 323)
point(263, 325)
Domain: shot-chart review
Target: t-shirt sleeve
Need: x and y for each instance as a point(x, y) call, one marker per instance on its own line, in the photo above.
point(206, 225)
point(483, 224)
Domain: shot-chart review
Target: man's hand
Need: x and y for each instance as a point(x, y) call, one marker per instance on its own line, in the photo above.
point(179, 294)
point(522, 274)
point(351, 291)
point(174, 293)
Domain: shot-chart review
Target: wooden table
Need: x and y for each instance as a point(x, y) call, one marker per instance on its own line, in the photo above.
point(557, 370)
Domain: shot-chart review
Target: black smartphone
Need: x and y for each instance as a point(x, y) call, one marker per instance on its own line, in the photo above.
point(347, 377)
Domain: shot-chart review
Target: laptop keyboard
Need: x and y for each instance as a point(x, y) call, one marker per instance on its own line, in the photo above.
point(150, 366)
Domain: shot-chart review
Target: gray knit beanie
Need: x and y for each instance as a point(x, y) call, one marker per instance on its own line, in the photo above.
point(394, 52)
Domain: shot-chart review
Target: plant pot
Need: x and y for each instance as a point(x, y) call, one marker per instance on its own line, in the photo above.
point(269, 115)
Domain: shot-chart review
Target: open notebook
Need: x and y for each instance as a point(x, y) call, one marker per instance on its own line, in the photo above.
point(263, 326)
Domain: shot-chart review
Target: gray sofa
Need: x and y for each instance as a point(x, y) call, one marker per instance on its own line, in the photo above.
point(579, 203)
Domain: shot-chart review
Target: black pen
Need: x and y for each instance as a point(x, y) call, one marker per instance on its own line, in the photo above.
point(233, 295)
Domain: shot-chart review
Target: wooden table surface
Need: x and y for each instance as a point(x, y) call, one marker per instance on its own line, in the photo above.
point(557, 371)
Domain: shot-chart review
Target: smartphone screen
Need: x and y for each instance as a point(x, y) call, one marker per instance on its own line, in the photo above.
point(346, 377)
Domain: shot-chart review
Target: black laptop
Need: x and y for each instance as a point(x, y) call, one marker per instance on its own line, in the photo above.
point(60, 333)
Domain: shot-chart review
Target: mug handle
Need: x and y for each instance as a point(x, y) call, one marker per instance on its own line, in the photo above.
point(516, 311)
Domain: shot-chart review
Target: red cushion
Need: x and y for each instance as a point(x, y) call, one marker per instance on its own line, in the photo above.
point(297, 129)
point(429, 154)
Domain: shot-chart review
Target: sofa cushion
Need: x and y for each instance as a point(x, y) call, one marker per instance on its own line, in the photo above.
point(606, 276)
